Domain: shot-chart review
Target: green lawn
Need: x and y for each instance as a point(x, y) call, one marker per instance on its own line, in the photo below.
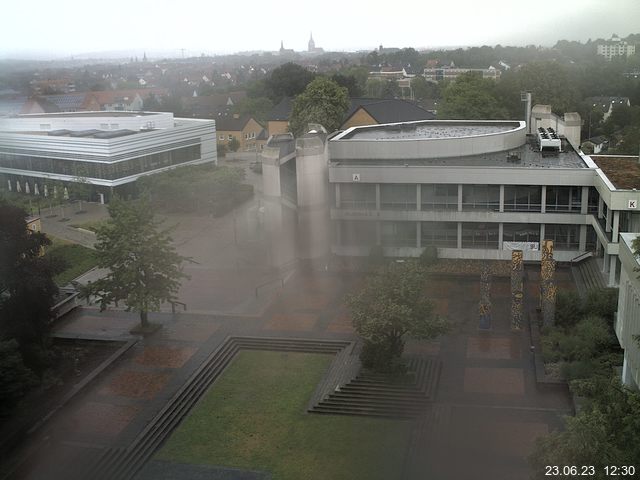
point(78, 258)
point(254, 418)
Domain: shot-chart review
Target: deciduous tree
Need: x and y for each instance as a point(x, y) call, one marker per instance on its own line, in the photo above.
point(471, 97)
point(390, 307)
point(323, 102)
point(27, 289)
point(605, 432)
point(144, 268)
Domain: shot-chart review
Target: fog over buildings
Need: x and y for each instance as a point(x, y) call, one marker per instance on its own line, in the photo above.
point(201, 27)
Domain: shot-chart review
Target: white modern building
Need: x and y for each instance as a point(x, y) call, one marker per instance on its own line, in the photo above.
point(472, 189)
point(108, 150)
point(627, 324)
point(615, 47)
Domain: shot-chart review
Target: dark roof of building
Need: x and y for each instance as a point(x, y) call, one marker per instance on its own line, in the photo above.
point(232, 124)
point(282, 111)
point(389, 110)
point(66, 101)
point(597, 140)
point(383, 110)
point(623, 172)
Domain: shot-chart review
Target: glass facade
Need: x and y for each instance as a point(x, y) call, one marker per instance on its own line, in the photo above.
point(439, 197)
point(565, 237)
point(101, 170)
point(357, 233)
point(398, 234)
point(398, 197)
point(563, 199)
point(359, 196)
point(521, 232)
point(480, 235)
point(481, 197)
point(522, 198)
point(439, 234)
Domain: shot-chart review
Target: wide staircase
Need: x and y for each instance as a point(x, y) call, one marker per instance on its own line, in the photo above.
point(587, 275)
point(120, 463)
point(380, 395)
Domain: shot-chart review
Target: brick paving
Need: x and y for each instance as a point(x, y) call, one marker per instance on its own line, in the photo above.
point(487, 380)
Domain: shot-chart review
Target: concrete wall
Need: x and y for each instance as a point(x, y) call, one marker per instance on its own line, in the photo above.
point(569, 126)
point(628, 316)
point(394, 148)
point(312, 174)
point(455, 175)
point(78, 121)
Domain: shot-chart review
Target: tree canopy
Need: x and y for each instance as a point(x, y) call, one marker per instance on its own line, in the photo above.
point(27, 289)
point(471, 97)
point(144, 268)
point(287, 80)
point(323, 102)
point(392, 305)
point(605, 432)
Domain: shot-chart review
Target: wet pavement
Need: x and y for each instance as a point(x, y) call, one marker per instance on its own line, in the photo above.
point(489, 408)
point(487, 412)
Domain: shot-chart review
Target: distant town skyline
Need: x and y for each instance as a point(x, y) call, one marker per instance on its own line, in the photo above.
point(37, 29)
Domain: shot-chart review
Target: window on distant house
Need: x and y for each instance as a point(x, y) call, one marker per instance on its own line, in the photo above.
point(221, 137)
point(230, 137)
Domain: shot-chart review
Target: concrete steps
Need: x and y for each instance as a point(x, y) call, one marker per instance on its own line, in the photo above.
point(124, 463)
point(370, 394)
point(588, 276)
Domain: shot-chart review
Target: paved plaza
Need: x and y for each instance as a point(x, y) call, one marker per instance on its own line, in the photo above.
point(489, 409)
point(486, 414)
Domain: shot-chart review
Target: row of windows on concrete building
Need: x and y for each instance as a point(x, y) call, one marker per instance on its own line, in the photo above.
point(517, 198)
point(106, 171)
point(445, 234)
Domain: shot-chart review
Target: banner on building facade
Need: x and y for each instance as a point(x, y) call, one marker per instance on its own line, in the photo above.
point(521, 245)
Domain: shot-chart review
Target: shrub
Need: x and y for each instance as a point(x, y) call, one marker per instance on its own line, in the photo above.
point(569, 309)
point(383, 357)
point(602, 302)
point(429, 256)
point(376, 256)
point(15, 377)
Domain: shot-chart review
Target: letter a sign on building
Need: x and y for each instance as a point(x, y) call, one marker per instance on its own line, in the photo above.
point(632, 203)
point(356, 177)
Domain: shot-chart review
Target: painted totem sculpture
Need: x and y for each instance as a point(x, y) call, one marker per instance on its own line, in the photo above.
point(485, 297)
point(548, 288)
point(517, 289)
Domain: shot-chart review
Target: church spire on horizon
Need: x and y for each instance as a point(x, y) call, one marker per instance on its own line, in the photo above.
point(312, 44)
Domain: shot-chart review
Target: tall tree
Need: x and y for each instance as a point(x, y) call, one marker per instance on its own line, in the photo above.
point(27, 289)
point(324, 102)
point(390, 307)
point(287, 80)
point(144, 268)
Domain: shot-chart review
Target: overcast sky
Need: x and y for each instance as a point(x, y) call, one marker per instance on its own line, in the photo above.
point(43, 28)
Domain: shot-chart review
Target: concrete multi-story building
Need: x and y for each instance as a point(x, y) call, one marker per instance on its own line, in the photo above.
point(615, 47)
point(451, 73)
point(472, 189)
point(107, 150)
point(627, 324)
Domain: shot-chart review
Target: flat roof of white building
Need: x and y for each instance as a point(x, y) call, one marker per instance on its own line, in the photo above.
point(463, 143)
point(430, 129)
